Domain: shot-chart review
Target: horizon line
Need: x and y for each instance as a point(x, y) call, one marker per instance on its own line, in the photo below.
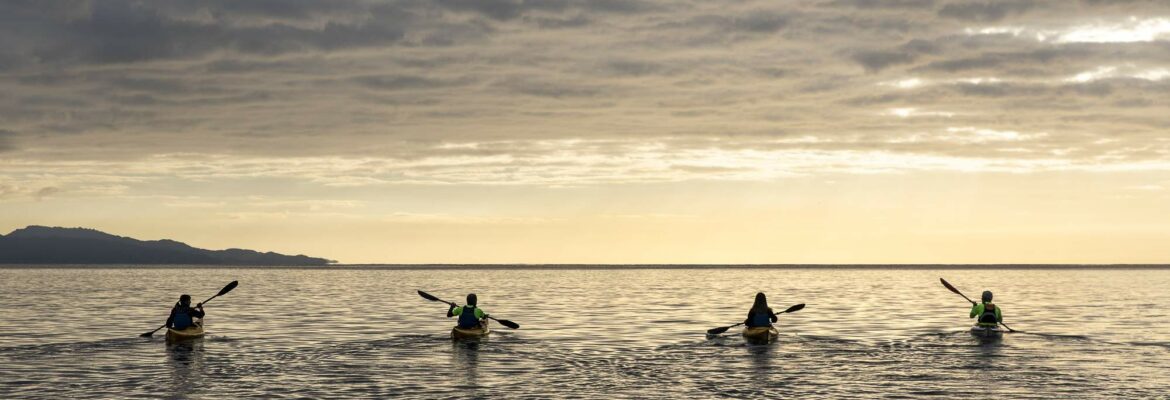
point(533, 266)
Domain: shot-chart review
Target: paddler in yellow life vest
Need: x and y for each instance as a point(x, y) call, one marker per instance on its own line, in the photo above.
point(989, 314)
point(469, 315)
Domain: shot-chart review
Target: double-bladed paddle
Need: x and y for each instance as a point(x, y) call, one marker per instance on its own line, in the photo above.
point(222, 292)
point(953, 289)
point(716, 331)
point(503, 322)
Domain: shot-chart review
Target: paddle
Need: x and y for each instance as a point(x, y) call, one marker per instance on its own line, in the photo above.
point(953, 289)
point(716, 331)
point(503, 322)
point(222, 292)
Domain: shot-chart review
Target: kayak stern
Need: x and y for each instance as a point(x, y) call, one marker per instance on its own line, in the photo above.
point(987, 332)
point(760, 334)
point(482, 330)
point(191, 332)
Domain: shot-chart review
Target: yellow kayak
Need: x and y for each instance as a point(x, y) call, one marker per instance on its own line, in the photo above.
point(760, 334)
point(471, 333)
point(190, 332)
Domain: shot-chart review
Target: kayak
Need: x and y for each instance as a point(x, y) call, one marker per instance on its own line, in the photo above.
point(760, 334)
point(987, 332)
point(190, 332)
point(470, 333)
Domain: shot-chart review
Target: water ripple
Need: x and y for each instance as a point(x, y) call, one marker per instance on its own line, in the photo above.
point(587, 334)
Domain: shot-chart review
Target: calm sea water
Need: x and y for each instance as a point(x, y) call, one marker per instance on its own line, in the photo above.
point(295, 333)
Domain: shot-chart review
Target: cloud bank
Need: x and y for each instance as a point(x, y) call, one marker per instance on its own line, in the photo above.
point(109, 96)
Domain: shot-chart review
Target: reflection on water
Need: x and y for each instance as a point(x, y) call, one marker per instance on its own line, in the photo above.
point(761, 357)
point(587, 333)
point(465, 354)
point(185, 362)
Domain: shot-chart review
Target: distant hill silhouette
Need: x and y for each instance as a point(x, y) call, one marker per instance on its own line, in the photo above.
point(50, 245)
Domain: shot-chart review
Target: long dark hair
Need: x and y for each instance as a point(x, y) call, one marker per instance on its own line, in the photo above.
point(761, 304)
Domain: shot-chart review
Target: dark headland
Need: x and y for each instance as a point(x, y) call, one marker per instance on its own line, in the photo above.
point(52, 245)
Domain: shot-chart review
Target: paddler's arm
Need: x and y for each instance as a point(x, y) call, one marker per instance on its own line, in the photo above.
point(453, 311)
point(171, 319)
point(976, 310)
point(197, 312)
point(480, 314)
point(772, 315)
point(998, 315)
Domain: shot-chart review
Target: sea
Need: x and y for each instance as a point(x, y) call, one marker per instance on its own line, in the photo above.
point(586, 332)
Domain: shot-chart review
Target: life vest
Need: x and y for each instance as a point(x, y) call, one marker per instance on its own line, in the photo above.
point(183, 318)
point(467, 317)
point(761, 319)
point(988, 316)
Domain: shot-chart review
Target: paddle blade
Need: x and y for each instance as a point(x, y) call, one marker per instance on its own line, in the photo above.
point(428, 296)
point(953, 289)
point(949, 286)
point(228, 288)
point(795, 308)
point(508, 323)
point(719, 330)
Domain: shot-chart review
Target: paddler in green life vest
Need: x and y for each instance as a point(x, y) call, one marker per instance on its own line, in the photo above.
point(989, 314)
point(469, 315)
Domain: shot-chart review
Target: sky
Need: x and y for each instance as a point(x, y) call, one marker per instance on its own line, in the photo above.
point(603, 131)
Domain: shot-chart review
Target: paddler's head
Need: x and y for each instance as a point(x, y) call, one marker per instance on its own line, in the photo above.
point(761, 301)
point(471, 299)
point(986, 296)
point(185, 300)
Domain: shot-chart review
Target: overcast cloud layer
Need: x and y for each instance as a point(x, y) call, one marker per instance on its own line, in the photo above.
point(125, 98)
point(559, 91)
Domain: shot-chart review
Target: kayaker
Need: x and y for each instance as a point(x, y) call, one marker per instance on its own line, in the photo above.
point(469, 315)
point(760, 314)
point(989, 314)
point(182, 315)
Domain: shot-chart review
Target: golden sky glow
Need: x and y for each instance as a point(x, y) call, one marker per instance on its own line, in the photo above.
point(834, 131)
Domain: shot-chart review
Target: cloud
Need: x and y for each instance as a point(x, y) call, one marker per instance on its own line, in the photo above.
point(497, 9)
point(992, 61)
point(400, 82)
point(548, 88)
point(512, 9)
point(6, 140)
point(559, 92)
point(877, 60)
point(44, 192)
point(1128, 30)
point(907, 112)
point(121, 31)
point(984, 11)
point(883, 4)
point(576, 21)
point(12, 191)
point(1133, 30)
